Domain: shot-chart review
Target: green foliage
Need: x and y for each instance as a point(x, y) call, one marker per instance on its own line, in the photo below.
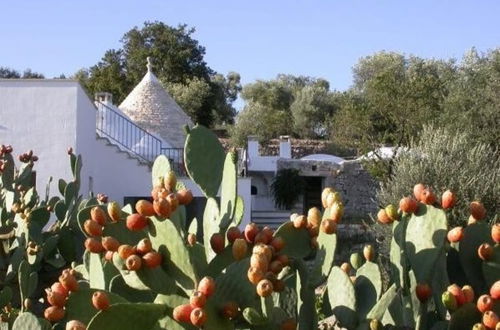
point(287, 186)
point(179, 64)
point(444, 160)
point(8, 73)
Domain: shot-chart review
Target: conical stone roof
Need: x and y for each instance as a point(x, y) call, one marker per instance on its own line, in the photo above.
point(151, 107)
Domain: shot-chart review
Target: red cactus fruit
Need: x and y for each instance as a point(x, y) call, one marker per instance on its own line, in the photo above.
point(182, 313)
point(98, 215)
point(173, 201)
point(55, 298)
point(54, 313)
point(448, 200)
point(456, 291)
point(313, 230)
point(314, 242)
point(229, 310)
point(300, 221)
point(423, 292)
point(125, 250)
point(217, 243)
point(114, 211)
point(198, 299)
point(68, 281)
point(484, 303)
point(468, 293)
point(239, 248)
point(75, 325)
point(232, 234)
point(495, 290)
point(455, 235)
point(275, 266)
point(278, 243)
point(392, 212)
point(490, 319)
point(185, 196)
point(495, 233)
point(288, 324)
point(368, 252)
point(100, 300)
point(136, 222)
point(198, 317)
point(255, 275)
point(428, 197)
point(264, 288)
point(485, 251)
point(92, 228)
point(133, 262)
point(417, 191)
point(261, 238)
point(93, 245)
point(408, 205)
point(191, 239)
point(110, 243)
point(144, 246)
point(313, 217)
point(152, 259)
point(60, 289)
point(162, 207)
point(477, 210)
point(145, 208)
point(283, 258)
point(328, 226)
point(207, 286)
point(268, 232)
point(108, 256)
point(250, 232)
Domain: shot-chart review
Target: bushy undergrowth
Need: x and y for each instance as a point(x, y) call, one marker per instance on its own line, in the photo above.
point(448, 161)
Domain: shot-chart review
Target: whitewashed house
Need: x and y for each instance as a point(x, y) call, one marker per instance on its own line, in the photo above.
point(117, 143)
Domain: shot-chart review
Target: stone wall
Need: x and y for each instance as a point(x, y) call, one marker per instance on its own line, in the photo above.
point(351, 238)
point(357, 187)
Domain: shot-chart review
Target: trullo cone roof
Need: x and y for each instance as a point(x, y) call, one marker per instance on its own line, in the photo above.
point(152, 108)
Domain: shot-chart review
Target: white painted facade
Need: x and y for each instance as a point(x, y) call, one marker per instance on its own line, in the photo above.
point(49, 116)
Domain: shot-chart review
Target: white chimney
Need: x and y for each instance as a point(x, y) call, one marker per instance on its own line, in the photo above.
point(285, 147)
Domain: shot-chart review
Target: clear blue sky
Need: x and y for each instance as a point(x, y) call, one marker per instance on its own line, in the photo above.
point(258, 39)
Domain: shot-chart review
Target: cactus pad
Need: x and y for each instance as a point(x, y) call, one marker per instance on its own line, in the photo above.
point(297, 241)
point(342, 297)
point(130, 316)
point(368, 287)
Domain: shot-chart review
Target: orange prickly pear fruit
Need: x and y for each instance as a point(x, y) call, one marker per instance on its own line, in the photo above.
point(368, 252)
point(54, 313)
point(207, 286)
point(198, 317)
point(495, 233)
point(239, 248)
point(152, 259)
point(255, 275)
point(428, 197)
point(100, 300)
point(408, 205)
point(162, 207)
point(170, 181)
point(191, 239)
point(133, 262)
point(182, 313)
point(313, 217)
point(455, 235)
point(448, 200)
point(60, 289)
point(328, 226)
point(68, 281)
point(337, 211)
point(324, 196)
point(485, 251)
point(300, 222)
point(382, 217)
point(173, 201)
point(468, 293)
point(232, 234)
point(264, 288)
point(251, 231)
point(92, 228)
point(278, 243)
point(346, 267)
point(124, 251)
point(145, 208)
point(477, 210)
point(198, 299)
point(75, 325)
point(110, 243)
point(484, 303)
point(144, 246)
point(495, 290)
point(490, 319)
point(136, 222)
point(457, 293)
point(98, 215)
point(417, 191)
point(185, 196)
point(217, 243)
point(55, 298)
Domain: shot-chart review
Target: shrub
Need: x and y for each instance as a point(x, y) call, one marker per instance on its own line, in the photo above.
point(287, 187)
point(445, 161)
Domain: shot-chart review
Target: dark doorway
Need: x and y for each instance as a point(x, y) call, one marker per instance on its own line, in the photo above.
point(312, 192)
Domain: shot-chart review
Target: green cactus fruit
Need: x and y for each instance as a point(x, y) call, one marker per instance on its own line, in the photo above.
point(301, 239)
point(356, 260)
point(342, 298)
point(204, 159)
point(368, 287)
point(132, 316)
point(449, 301)
point(425, 238)
point(392, 212)
point(376, 325)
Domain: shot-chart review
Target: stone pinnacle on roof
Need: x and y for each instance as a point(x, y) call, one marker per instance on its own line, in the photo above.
point(151, 107)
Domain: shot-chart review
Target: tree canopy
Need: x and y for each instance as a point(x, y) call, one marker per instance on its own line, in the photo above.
point(179, 63)
point(8, 73)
